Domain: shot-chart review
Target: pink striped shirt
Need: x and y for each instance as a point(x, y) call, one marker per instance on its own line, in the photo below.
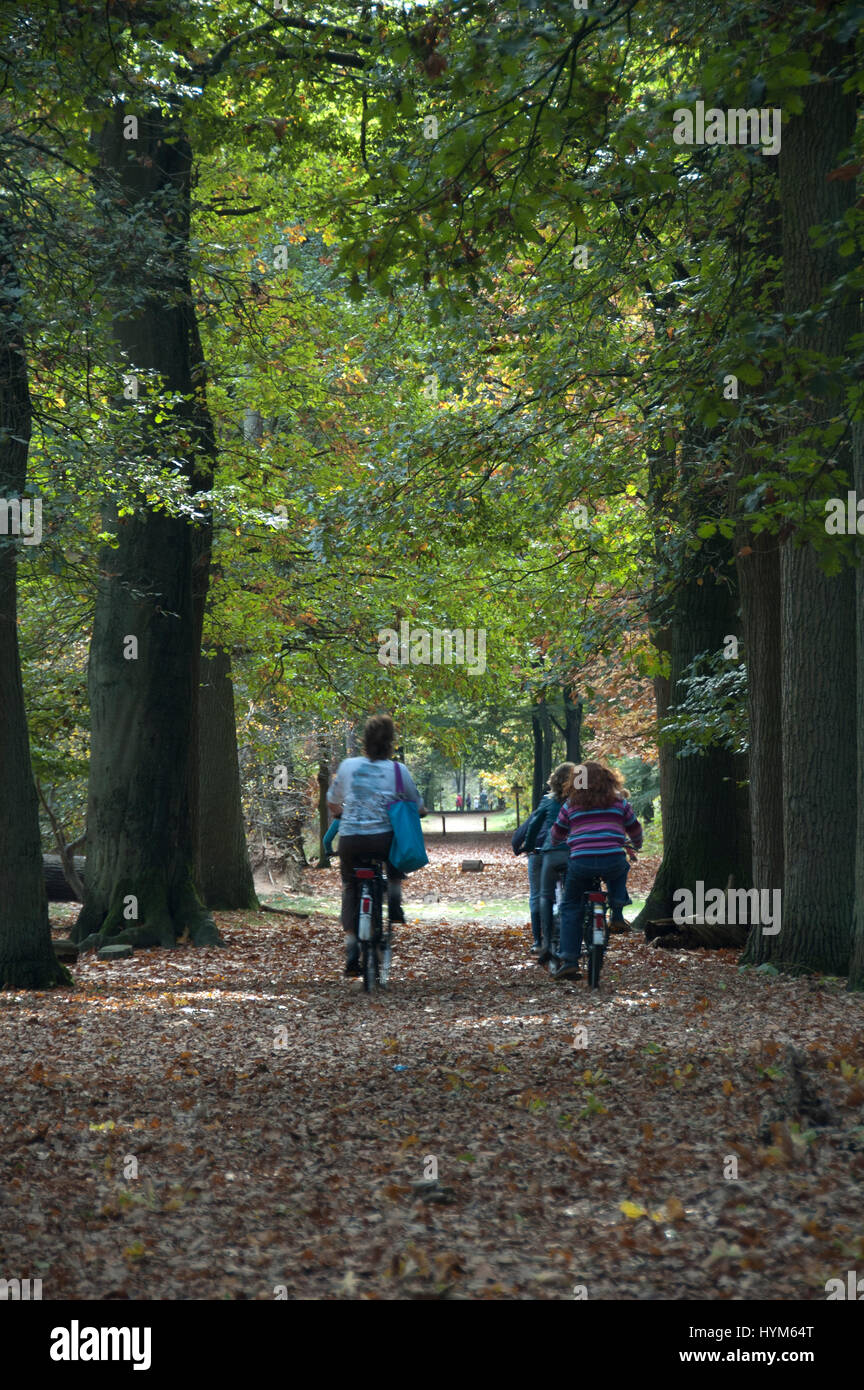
point(603, 831)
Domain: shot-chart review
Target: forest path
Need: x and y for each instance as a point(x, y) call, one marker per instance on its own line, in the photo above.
point(279, 1120)
point(441, 892)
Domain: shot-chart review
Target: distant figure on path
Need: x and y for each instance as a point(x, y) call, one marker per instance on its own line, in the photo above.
point(468, 802)
point(458, 803)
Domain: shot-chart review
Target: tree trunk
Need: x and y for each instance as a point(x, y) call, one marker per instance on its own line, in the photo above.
point(665, 753)
point(323, 812)
point(224, 871)
point(143, 705)
point(705, 838)
point(27, 959)
point(758, 573)
point(537, 778)
point(573, 709)
point(818, 623)
point(661, 469)
point(759, 579)
point(547, 746)
point(856, 964)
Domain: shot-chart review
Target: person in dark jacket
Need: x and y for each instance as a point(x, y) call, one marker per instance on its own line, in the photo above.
point(545, 860)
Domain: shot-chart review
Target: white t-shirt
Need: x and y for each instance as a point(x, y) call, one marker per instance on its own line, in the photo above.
point(364, 790)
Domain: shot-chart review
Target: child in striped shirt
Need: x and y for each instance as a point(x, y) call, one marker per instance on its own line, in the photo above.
point(596, 820)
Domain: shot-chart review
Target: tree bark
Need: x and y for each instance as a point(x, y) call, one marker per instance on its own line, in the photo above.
point(665, 754)
point(323, 813)
point(661, 469)
point(537, 777)
point(705, 835)
point(141, 842)
point(758, 570)
point(27, 959)
point(759, 580)
point(818, 624)
point(856, 963)
point(547, 746)
point(224, 871)
point(573, 709)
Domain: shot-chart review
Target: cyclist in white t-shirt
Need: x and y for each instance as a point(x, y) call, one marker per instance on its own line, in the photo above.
point(360, 794)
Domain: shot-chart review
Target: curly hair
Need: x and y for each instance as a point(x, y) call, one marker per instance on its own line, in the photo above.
point(379, 737)
point(598, 787)
point(560, 777)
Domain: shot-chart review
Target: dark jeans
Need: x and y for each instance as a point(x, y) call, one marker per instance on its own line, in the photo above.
point(535, 868)
point(581, 869)
point(552, 861)
point(353, 848)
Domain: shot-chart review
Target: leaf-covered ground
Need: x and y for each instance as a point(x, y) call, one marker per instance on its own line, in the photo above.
point(282, 1123)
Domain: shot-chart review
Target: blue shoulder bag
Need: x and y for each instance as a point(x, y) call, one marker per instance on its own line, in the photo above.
point(408, 851)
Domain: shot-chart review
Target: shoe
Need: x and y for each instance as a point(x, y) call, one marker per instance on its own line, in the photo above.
point(353, 966)
point(563, 970)
point(535, 949)
point(544, 954)
point(618, 924)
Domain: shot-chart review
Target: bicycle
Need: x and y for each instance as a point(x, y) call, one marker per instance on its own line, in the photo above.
point(376, 945)
point(595, 927)
point(595, 931)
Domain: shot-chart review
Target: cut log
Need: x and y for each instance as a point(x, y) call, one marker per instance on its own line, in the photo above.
point(65, 951)
point(120, 952)
point(56, 887)
point(472, 866)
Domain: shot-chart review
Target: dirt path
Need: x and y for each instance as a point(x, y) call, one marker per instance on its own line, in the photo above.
point(279, 1121)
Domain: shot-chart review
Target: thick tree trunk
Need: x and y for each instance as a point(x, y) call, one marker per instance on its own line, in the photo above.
point(818, 625)
point(665, 754)
point(705, 836)
point(856, 964)
point(224, 871)
point(661, 469)
point(27, 959)
point(758, 569)
point(143, 704)
point(759, 580)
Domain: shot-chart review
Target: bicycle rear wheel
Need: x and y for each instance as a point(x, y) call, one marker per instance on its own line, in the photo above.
point(371, 974)
point(385, 960)
point(595, 965)
point(372, 949)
